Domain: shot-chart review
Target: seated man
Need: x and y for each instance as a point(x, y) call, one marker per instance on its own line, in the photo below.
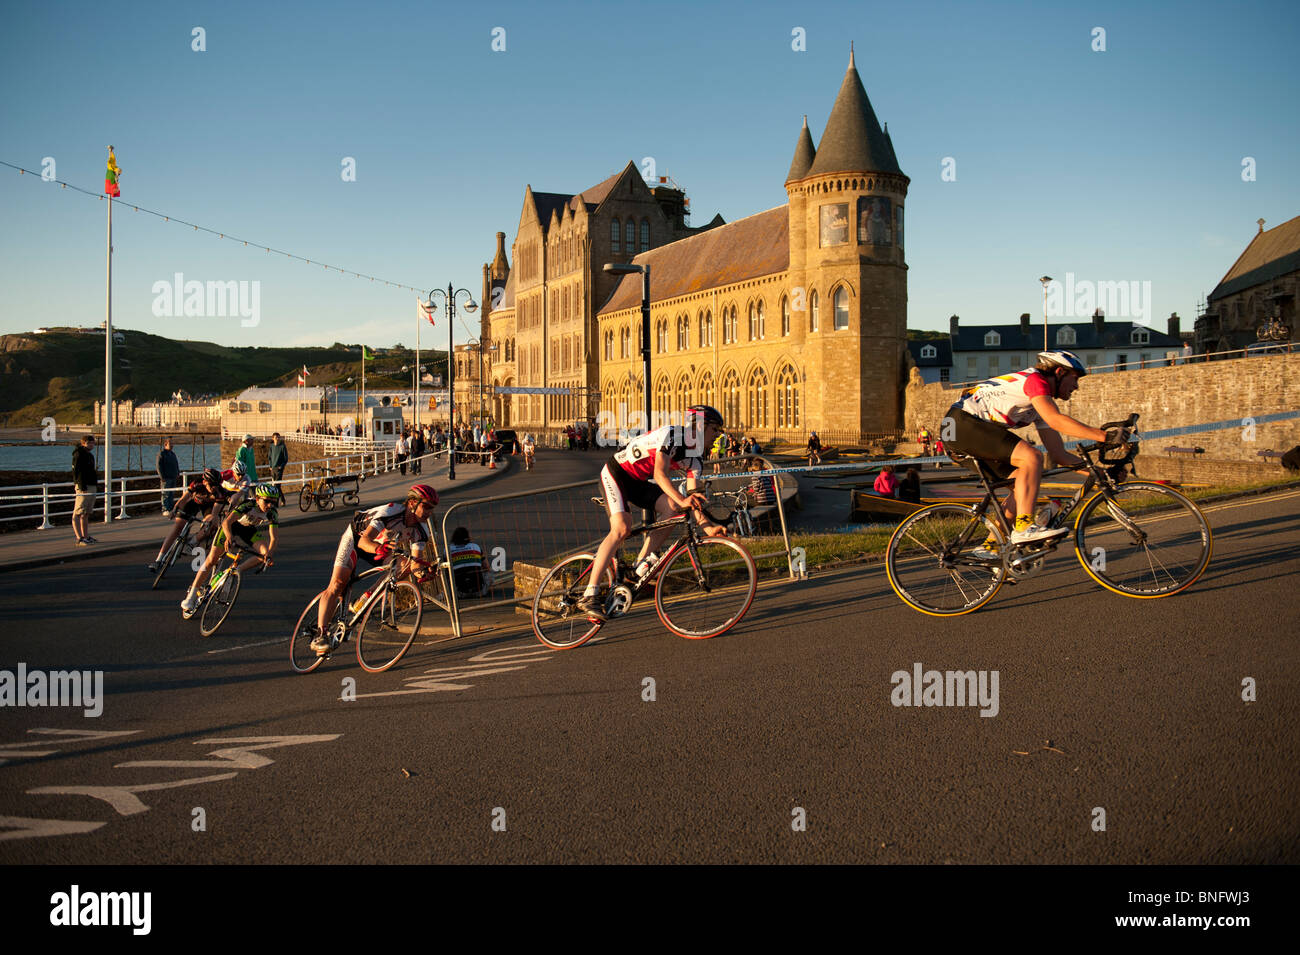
point(205, 497)
point(982, 423)
point(242, 528)
point(469, 566)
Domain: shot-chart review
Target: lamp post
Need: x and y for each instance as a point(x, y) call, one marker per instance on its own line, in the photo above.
point(1046, 280)
point(629, 269)
point(449, 299)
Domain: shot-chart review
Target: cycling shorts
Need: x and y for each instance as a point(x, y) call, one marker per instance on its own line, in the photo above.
point(240, 535)
point(992, 443)
point(348, 552)
point(624, 492)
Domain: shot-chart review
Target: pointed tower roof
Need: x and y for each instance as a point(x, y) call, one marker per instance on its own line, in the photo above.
point(853, 140)
point(500, 268)
point(804, 153)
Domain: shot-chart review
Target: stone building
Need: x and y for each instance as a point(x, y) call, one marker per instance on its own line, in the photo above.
point(1261, 285)
point(786, 320)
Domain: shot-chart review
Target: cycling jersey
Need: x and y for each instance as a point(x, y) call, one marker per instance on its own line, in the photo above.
point(389, 523)
point(1007, 400)
point(249, 517)
point(637, 460)
point(201, 500)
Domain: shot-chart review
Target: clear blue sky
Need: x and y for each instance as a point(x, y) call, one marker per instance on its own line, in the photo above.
point(1122, 165)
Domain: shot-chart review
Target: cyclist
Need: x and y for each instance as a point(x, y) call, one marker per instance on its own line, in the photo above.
point(371, 537)
point(638, 476)
point(530, 451)
point(205, 496)
point(982, 420)
point(242, 526)
point(237, 483)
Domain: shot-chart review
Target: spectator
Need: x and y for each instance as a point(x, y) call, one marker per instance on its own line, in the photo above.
point(169, 476)
point(814, 449)
point(909, 489)
point(278, 458)
point(886, 484)
point(923, 439)
point(469, 566)
point(86, 479)
point(245, 454)
point(417, 451)
point(762, 490)
point(939, 451)
point(400, 452)
point(530, 451)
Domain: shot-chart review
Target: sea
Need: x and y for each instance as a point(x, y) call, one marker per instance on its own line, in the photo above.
point(57, 456)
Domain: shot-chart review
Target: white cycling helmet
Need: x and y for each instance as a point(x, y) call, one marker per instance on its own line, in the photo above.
point(1065, 359)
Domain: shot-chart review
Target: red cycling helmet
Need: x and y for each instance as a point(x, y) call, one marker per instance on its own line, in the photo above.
point(423, 492)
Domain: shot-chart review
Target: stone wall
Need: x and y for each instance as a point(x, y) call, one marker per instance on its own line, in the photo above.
point(1237, 389)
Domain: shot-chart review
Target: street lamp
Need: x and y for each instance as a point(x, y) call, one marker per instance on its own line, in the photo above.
point(629, 269)
point(449, 299)
point(1046, 280)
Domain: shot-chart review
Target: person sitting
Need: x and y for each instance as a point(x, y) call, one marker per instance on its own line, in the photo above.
point(469, 566)
point(909, 489)
point(886, 484)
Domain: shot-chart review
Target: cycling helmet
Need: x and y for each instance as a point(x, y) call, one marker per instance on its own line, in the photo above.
point(211, 475)
point(267, 492)
point(238, 470)
point(706, 413)
point(423, 492)
point(1064, 359)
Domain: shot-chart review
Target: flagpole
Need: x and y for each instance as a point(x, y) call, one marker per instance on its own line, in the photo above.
point(417, 362)
point(361, 430)
point(108, 372)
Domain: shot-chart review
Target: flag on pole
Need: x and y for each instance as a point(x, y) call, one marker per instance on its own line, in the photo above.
point(426, 310)
point(110, 176)
point(302, 377)
point(365, 354)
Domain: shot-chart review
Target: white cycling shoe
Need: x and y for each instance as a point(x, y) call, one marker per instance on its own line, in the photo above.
point(1036, 532)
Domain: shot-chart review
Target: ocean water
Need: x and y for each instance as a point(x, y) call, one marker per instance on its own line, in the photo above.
point(58, 457)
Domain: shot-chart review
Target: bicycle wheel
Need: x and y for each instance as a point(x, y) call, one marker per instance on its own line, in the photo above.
point(929, 563)
point(325, 499)
point(706, 593)
point(351, 498)
point(305, 497)
point(169, 558)
point(219, 603)
point(301, 656)
point(557, 621)
point(1144, 540)
point(389, 627)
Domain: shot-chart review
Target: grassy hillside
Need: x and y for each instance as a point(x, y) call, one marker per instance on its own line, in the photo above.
point(61, 374)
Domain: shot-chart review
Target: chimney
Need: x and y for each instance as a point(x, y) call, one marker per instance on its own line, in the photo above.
point(1024, 324)
point(952, 327)
point(1174, 321)
point(1098, 321)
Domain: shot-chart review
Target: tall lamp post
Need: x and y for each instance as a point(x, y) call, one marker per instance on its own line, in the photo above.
point(449, 299)
point(629, 269)
point(1046, 280)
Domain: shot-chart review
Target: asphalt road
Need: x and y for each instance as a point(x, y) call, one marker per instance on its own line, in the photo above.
point(776, 742)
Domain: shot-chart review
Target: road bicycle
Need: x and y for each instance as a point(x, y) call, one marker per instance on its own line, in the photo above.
point(217, 599)
point(703, 587)
point(385, 619)
point(183, 544)
point(1135, 538)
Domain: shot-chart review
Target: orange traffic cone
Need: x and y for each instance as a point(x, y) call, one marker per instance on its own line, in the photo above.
point(492, 462)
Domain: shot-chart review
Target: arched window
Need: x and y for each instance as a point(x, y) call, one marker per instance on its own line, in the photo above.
point(785, 316)
point(756, 388)
point(753, 323)
point(609, 346)
point(613, 235)
point(814, 311)
point(629, 233)
point(706, 330)
point(663, 399)
point(645, 234)
point(623, 341)
point(731, 398)
point(683, 393)
point(762, 320)
point(706, 388)
point(787, 398)
point(662, 334)
point(683, 333)
point(841, 309)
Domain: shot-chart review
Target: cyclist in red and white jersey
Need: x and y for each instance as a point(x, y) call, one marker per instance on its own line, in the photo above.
point(641, 475)
point(370, 538)
point(986, 412)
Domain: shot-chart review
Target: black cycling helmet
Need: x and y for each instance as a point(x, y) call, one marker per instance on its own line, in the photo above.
point(211, 475)
point(706, 413)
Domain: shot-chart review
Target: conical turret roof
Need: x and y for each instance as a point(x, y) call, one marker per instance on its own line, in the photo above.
point(853, 140)
point(804, 153)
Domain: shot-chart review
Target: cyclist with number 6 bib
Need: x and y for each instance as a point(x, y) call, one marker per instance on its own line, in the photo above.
point(983, 419)
point(371, 538)
point(639, 476)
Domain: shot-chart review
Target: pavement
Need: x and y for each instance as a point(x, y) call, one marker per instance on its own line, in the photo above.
point(36, 548)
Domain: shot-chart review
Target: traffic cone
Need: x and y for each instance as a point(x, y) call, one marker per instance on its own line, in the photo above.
point(492, 462)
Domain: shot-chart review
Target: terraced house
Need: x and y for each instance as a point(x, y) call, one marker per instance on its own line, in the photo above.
point(786, 320)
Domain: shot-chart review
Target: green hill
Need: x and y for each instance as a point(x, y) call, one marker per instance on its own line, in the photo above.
point(61, 373)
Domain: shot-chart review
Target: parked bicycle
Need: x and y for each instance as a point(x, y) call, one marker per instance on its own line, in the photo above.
point(320, 490)
point(1135, 538)
point(218, 598)
point(703, 587)
point(385, 619)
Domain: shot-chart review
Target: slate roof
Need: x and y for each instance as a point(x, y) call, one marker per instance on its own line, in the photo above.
point(853, 140)
point(804, 154)
point(1112, 335)
point(942, 357)
point(281, 394)
point(1271, 254)
point(744, 249)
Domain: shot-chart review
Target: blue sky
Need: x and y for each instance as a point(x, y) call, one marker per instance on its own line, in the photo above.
point(1116, 165)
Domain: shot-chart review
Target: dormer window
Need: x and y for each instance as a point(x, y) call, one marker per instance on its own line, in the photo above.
point(929, 351)
point(992, 340)
point(1065, 336)
point(1141, 336)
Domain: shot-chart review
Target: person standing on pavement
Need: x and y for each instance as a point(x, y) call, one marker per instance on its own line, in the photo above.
point(245, 455)
point(417, 451)
point(399, 449)
point(279, 460)
point(86, 479)
point(169, 475)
